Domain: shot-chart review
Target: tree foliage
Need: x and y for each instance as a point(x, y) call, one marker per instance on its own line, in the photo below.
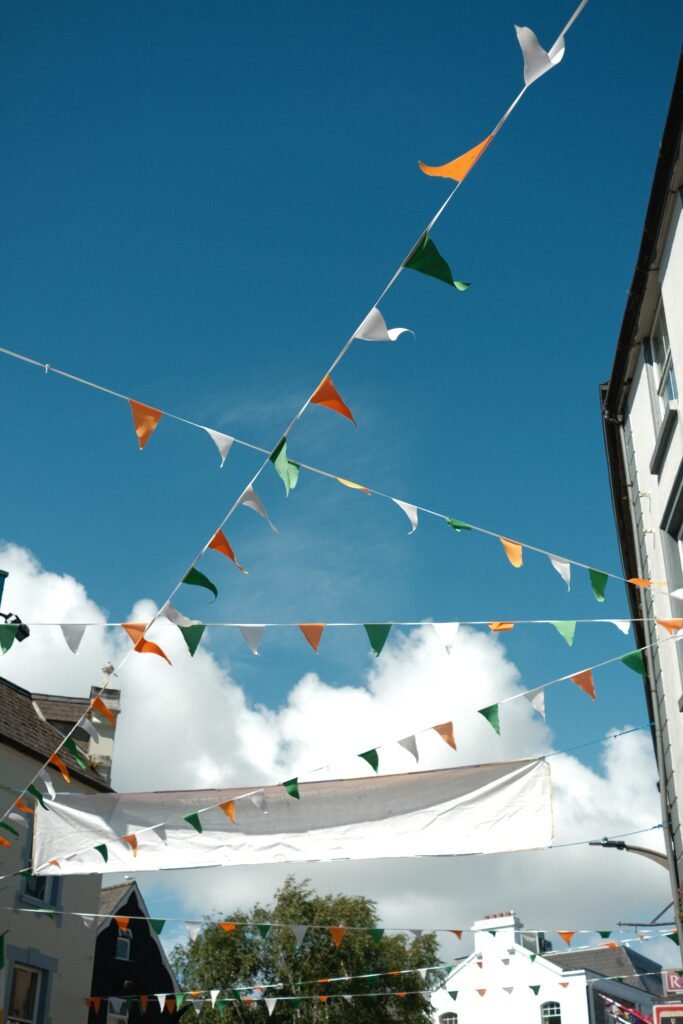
point(216, 959)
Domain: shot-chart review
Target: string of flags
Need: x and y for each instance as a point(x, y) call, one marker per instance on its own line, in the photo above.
point(289, 470)
point(192, 630)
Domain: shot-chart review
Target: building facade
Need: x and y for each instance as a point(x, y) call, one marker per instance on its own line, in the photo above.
point(48, 954)
point(513, 976)
point(644, 442)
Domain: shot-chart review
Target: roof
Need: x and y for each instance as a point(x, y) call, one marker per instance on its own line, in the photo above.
point(111, 896)
point(612, 963)
point(22, 727)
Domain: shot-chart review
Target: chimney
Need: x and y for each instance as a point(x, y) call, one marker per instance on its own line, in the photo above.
point(101, 753)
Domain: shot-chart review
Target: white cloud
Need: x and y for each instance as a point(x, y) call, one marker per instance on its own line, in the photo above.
point(193, 726)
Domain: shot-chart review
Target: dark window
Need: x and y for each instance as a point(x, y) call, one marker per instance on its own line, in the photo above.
point(123, 943)
point(663, 388)
point(550, 1013)
point(448, 1018)
point(24, 993)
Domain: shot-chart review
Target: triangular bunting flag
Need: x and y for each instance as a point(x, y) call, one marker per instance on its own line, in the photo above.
point(222, 441)
point(250, 499)
point(598, 581)
point(459, 168)
point(227, 926)
point(123, 923)
point(193, 819)
point(674, 937)
point(604, 935)
point(409, 743)
point(513, 550)
point(426, 259)
point(563, 984)
point(481, 991)
point(136, 631)
point(453, 993)
point(374, 328)
point(567, 937)
point(446, 632)
point(566, 628)
point(56, 760)
point(143, 1003)
point(270, 1004)
point(457, 525)
point(313, 632)
point(623, 625)
point(350, 483)
point(73, 634)
point(47, 782)
point(372, 758)
point(145, 421)
point(264, 930)
point(584, 680)
point(170, 1004)
point(195, 578)
point(213, 995)
point(192, 636)
point(509, 989)
point(564, 568)
point(79, 758)
point(299, 932)
point(101, 708)
point(537, 700)
point(292, 788)
point(258, 799)
point(253, 636)
point(337, 934)
point(161, 999)
point(536, 60)
point(492, 716)
point(326, 394)
point(535, 989)
point(445, 731)
point(501, 627)
point(457, 932)
point(131, 841)
point(219, 542)
point(8, 632)
point(377, 635)
point(103, 852)
point(286, 470)
point(87, 726)
point(635, 661)
point(37, 794)
point(228, 808)
point(157, 925)
point(376, 934)
point(671, 625)
point(410, 511)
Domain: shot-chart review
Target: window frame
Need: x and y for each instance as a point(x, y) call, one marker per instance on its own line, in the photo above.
point(124, 935)
point(39, 975)
point(449, 1017)
point(661, 375)
point(551, 1012)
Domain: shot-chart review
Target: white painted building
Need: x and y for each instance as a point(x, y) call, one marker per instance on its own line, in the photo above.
point(644, 441)
point(513, 976)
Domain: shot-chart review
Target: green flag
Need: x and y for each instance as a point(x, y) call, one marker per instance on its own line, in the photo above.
point(604, 935)
point(426, 259)
point(103, 852)
point(286, 470)
point(193, 819)
point(7, 635)
point(535, 989)
point(9, 828)
point(48, 913)
point(179, 999)
point(192, 636)
point(566, 629)
point(38, 795)
point(492, 716)
point(195, 578)
point(635, 661)
point(453, 993)
point(457, 525)
point(598, 583)
point(377, 635)
point(376, 933)
point(70, 745)
point(264, 930)
point(674, 937)
point(372, 757)
point(533, 957)
point(292, 787)
point(157, 925)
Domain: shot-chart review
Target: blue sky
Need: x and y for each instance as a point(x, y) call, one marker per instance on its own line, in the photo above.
point(200, 202)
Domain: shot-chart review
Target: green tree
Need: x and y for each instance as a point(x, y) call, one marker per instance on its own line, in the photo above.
point(244, 957)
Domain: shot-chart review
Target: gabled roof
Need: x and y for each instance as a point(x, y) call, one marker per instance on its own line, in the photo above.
point(114, 896)
point(23, 728)
point(621, 962)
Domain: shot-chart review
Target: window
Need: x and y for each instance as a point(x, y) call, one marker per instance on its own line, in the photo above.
point(117, 1012)
point(23, 1000)
point(448, 1018)
point(36, 887)
point(662, 377)
point(123, 942)
point(550, 1013)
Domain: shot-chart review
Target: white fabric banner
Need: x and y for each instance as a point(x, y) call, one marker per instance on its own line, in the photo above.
point(490, 808)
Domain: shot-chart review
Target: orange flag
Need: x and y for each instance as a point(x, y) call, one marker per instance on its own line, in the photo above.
point(143, 1003)
point(459, 168)
point(227, 926)
point(501, 627)
point(229, 808)
point(123, 923)
point(481, 991)
point(671, 625)
point(132, 842)
point(55, 862)
point(337, 935)
point(457, 932)
point(323, 999)
point(56, 760)
point(313, 632)
point(610, 945)
point(145, 421)
point(445, 731)
point(170, 1004)
point(584, 680)
point(563, 984)
point(136, 631)
point(101, 708)
point(95, 1002)
point(21, 806)
point(326, 394)
point(514, 552)
point(219, 542)
point(636, 580)
point(4, 842)
point(567, 936)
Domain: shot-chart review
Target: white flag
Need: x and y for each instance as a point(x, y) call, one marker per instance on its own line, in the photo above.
point(176, 617)
point(73, 634)
point(537, 700)
point(20, 820)
point(258, 799)
point(88, 920)
point(623, 625)
point(215, 992)
point(417, 932)
point(349, 999)
point(161, 999)
point(410, 511)
point(160, 832)
point(250, 499)
point(564, 568)
point(374, 328)
point(409, 743)
point(193, 929)
point(117, 1005)
point(508, 990)
point(446, 632)
point(47, 782)
point(299, 931)
point(536, 60)
point(270, 1005)
point(87, 726)
point(253, 635)
point(197, 1004)
point(222, 441)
